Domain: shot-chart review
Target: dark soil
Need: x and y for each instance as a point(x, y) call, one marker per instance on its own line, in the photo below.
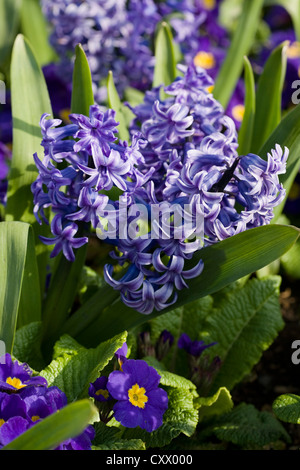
point(276, 374)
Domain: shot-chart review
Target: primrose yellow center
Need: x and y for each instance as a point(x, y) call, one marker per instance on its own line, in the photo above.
point(1, 422)
point(210, 88)
point(16, 383)
point(209, 4)
point(137, 396)
point(293, 51)
point(238, 112)
point(35, 418)
point(64, 115)
point(104, 393)
point(204, 60)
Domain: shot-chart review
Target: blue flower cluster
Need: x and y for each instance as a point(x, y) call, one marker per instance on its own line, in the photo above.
point(181, 182)
point(26, 399)
point(118, 36)
point(5, 157)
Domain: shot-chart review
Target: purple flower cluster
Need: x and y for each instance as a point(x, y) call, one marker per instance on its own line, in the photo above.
point(181, 181)
point(26, 399)
point(118, 36)
point(131, 395)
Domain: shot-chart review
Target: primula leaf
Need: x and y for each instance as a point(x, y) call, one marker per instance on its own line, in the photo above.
point(224, 263)
point(27, 345)
point(15, 237)
point(73, 370)
point(240, 46)
point(165, 62)
point(247, 427)
point(243, 327)
point(35, 29)
point(56, 428)
point(9, 23)
point(246, 129)
point(287, 408)
point(30, 99)
point(269, 97)
point(217, 404)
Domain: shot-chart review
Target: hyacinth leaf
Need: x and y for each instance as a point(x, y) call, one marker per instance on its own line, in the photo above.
point(246, 129)
point(286, 134)
point(225, 262)
point(16, 241)
point(165, 62)
point(64, 284)
point(56, 428)
point(287, 408)
point(268, 96)
point(82, 92)
point(241, 43)
point(34, 27)
point(122, 113)
point(9, 24)
point(30, 99)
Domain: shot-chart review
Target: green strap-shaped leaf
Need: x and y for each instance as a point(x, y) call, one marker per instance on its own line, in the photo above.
point(64, 284)
point(9, 23)
point(82, 92)
point(269, 96)
point(224, 263)
point(165, 63)
point(35, 28)
point(56, 428)
point(115, 103)
point(246, 129)
point(15, 237)
point(30, 99)
point(286, 134)
point(240, 46)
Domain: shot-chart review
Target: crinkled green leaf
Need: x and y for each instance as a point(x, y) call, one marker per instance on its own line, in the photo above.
point(217, 404)
point(168, 378)
point(48, 433)
point(244, 326)
point(73, 371)
point(247, 427)
point(27, 345)
point(287, 408)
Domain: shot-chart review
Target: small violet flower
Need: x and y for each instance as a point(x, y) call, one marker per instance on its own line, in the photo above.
point(140, 400)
